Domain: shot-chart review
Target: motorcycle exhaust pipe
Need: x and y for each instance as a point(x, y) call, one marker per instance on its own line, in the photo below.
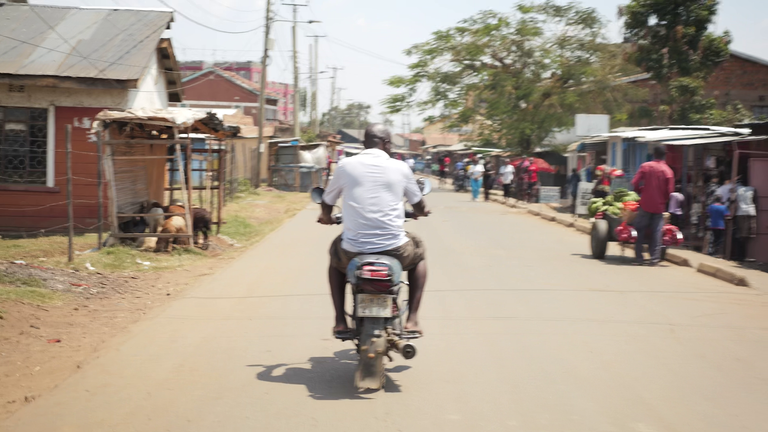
point(407, 349)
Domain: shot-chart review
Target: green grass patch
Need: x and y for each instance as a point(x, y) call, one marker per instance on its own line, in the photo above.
point(39, 296)
point(20, 281)
point(239, 228)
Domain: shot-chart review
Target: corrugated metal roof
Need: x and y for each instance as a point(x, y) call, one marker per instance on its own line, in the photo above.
point(78, 42)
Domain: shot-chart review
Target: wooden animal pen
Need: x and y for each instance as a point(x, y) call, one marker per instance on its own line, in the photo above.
point(139, 145)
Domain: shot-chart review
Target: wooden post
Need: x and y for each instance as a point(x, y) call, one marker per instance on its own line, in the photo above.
point(109, 173)
point(232, 156)
point(220, 191)
point(70, 210)
point(188, 167)
point(209, 177)
point(100, 186)
point(187, 205)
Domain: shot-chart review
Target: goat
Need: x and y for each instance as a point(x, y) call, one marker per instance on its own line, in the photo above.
point(155, 221)
point(173, 225)
point(201, 222)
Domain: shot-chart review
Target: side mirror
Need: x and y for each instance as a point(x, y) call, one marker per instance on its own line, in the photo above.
point(317, 195)
point(425, 185)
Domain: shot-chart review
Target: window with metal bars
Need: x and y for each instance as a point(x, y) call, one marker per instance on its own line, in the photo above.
point(23, 145)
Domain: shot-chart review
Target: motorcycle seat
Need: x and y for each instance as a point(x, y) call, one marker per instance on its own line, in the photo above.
point(374, 266)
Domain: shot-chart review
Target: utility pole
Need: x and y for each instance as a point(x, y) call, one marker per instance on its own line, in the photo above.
point(315, 71)
point(333, 96)
point(296, 107)
point(311, 93)
point(262, 95)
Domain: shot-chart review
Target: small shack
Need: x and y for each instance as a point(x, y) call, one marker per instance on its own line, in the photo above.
point(143, 151)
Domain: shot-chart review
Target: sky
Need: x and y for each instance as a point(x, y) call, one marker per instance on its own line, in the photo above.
point(367, 38)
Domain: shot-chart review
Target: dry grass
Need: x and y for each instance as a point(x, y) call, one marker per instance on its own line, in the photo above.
point(250, 217)
point(26, 289)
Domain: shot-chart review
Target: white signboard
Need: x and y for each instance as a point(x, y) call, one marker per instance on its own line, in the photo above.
point(549, 194)
point(583, 196)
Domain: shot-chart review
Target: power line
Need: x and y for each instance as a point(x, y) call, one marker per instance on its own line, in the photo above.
point(221, 18)
point(234, 9)
point(207, 26)
point(363, 51)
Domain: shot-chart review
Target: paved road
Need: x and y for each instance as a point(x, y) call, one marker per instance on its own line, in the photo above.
point(524, 333)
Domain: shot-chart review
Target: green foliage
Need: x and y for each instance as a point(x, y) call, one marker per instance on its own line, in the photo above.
point(352, 116)
point(674, 45)
point(308, 136)
point(515, 78)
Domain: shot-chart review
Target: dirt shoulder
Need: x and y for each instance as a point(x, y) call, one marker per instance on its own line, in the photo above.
point(55, 316)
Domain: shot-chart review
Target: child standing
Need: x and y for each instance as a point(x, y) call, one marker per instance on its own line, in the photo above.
point(717, 214)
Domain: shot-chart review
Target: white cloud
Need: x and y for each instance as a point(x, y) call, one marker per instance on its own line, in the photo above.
point(360, 22)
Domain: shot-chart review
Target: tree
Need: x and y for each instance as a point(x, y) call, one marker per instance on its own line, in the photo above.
point(353, 116)
point(673, 44)
point(514, 77)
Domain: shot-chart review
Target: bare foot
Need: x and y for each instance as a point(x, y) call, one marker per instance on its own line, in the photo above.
point(341, 326)
point(412, 325)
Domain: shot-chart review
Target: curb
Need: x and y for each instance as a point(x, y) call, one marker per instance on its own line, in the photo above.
point(565, 221)
point(723, 274)
point(547, 216)
point(585, 227)
point(677, 259)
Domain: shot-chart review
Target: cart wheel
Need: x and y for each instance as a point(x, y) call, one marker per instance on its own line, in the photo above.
point(599, 238)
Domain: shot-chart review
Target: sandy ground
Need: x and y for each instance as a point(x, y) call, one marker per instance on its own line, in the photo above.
point(40, 346)
point(524, 331)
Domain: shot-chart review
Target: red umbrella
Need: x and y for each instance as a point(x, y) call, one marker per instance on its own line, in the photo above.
point(541, 164)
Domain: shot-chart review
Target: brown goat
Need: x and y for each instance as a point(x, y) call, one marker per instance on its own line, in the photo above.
point(173, 225)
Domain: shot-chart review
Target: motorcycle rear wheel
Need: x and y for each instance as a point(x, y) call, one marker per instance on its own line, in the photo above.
point(373, 348)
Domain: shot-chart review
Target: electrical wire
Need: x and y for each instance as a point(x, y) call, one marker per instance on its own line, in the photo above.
point(207, 26)
point(363, 51)
point(222, 18)
point(234, 9)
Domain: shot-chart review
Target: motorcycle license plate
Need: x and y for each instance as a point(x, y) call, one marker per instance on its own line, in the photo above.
point(372, 305)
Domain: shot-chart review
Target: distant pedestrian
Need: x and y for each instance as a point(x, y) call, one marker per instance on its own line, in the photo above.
point(507, 177)
point(476, 179)
point(573, 186)
point(443, 167)
point(533, 180)
point(655, 182)
point(411, 163)
point(489, 176)
point(676, 203)
point(717, 214)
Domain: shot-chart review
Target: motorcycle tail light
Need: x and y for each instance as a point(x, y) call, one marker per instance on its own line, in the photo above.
point(374, 286)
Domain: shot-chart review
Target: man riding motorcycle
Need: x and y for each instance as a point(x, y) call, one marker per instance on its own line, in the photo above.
point(373, 186)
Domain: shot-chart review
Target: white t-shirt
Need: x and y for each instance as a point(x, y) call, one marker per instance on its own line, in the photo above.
point(477, 171)
point(507, 174)
point(373, 186)
point(410, 162)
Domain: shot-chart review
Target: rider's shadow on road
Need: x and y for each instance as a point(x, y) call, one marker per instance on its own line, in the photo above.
point(327, 378)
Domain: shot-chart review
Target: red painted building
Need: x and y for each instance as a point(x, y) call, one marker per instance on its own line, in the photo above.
point(250, 71)
point(43, 93)
point(217, 88)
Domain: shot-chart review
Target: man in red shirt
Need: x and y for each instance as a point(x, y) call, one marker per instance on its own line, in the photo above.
point(655, 182)
point(533, 179)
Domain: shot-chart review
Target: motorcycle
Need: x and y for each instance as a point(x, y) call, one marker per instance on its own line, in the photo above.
point(377, 312)
point(460, 181)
